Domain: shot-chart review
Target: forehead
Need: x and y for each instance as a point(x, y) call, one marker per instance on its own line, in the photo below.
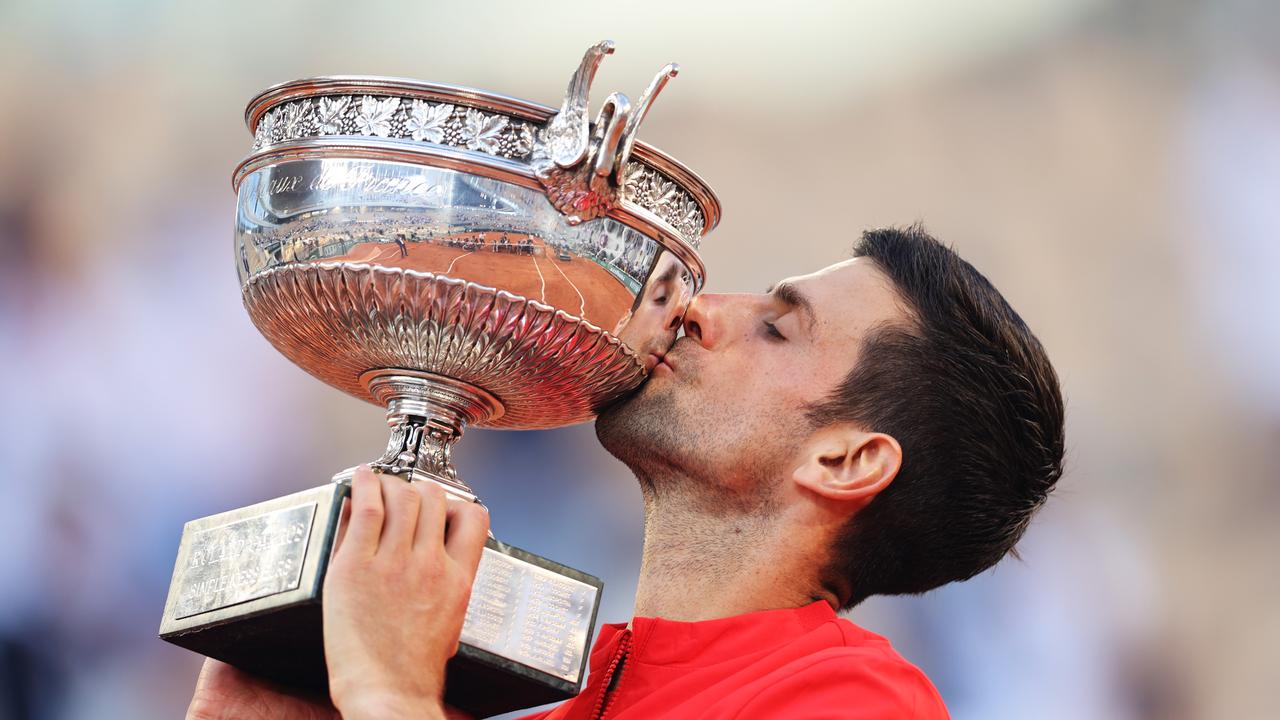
point(851, 298)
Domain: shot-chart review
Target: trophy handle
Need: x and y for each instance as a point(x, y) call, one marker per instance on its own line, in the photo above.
point(427, 414)
point(637, 116)
point(568, 132)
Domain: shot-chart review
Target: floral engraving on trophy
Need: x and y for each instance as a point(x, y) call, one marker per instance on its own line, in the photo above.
point(374, 116)
point(294, 118)
point(659, 194)
point(396, 118)
point(262, 134)
point(464, 127)
point(426, 121)
point(330, 114)
point(481, 131)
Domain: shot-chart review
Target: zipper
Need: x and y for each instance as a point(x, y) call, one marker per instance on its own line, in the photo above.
point(612, 675)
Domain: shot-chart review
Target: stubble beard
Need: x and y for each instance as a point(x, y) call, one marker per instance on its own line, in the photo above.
point(680, 460)
point(692, 509)
point(644, 432)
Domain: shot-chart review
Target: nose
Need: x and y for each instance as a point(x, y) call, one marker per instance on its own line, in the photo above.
point(674, 317)
point(701, 320)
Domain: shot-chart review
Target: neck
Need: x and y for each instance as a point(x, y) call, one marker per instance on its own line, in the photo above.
point(702, 563)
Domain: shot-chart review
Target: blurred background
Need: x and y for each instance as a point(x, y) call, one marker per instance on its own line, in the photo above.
point(1112, 166)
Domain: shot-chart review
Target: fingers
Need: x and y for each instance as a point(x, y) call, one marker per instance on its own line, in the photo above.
point(387, 515)
point(344, 519)
point(367, 511)
point(207, 671)
point(458, 527)
point(402, 503)
point(468, 525)
point(431, 517)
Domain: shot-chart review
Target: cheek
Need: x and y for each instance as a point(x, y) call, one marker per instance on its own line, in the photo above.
point(781, 394)
point(743, 420)
point(738, 394)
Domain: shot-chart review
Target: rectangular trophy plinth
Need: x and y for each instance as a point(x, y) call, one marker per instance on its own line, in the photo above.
point(247, 587)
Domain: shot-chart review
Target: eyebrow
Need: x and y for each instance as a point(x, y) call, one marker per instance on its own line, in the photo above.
point(669, 274)
point(790, 295)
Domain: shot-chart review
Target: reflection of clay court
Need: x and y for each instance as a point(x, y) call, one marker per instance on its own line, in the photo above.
point(537, 273)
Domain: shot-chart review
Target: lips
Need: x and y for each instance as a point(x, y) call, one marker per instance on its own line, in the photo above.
point(668, 358)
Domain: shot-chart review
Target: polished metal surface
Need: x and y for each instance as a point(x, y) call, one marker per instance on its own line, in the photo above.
point(463, 257)
point(396, 117)
point(582, 171)
point(427, 414)
point(530, 614)
point(352, 265)
point(244, 560)
point(268, 556)
point(251, 560)
point(460, 258)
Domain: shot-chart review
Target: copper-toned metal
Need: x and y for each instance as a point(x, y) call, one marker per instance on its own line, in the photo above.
point(339, 321)
point(461, 258)
point(447, 242)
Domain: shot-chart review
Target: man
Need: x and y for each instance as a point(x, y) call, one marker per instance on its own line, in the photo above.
point(651, 324)
point(883, 426)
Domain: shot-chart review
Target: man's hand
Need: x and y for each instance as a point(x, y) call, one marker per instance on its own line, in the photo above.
point(225, 693)
point(395, 596)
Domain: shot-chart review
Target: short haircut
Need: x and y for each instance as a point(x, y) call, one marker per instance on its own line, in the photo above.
point(968, 392)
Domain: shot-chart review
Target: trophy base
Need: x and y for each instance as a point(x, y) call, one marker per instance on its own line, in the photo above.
point(247, 588)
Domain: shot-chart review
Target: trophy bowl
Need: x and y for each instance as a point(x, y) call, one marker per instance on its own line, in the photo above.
point(457, 275)
point(461, 258)
point(509, 265)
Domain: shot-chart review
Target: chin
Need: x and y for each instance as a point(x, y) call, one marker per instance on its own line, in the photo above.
point(642, 427)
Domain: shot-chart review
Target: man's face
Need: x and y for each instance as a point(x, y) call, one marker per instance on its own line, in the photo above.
point(651, 326)
point(726, 406)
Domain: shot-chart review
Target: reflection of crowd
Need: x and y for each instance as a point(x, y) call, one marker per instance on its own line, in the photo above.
point(634, 260)
point(627, 253)
point(503, 244)
point(630, 253)
point(324, 237)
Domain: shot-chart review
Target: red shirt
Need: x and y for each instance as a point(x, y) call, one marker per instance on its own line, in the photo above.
point(797, 664)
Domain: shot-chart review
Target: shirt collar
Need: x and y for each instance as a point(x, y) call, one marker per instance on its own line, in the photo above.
point(656, 641)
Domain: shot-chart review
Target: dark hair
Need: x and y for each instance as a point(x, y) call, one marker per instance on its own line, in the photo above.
point(969, 394)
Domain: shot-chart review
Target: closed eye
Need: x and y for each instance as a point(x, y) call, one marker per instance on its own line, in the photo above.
point(772, 331)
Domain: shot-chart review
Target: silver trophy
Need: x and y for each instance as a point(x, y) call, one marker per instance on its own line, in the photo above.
point(461, 258)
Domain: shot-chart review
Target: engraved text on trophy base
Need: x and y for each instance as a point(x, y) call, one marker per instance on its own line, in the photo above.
point(244, 560)
point(529, 614)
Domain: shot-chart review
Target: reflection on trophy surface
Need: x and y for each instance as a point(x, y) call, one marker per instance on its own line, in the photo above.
point(650, 325)
point(460, 258)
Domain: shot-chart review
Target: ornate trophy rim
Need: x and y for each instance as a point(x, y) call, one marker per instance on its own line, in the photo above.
point(410, 88)
point(364, 194)
point(585, 168)
point(501, 137)
point(494, 168)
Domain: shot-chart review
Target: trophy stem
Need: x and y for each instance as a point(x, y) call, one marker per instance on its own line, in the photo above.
point(427, 414)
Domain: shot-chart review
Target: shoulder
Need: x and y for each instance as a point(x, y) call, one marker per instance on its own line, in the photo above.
point(863, 678)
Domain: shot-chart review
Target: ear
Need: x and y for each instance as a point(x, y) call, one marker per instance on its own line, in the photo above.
point(846, 464)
